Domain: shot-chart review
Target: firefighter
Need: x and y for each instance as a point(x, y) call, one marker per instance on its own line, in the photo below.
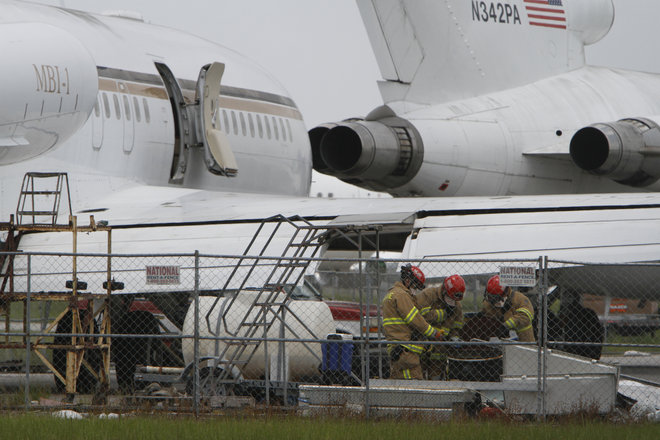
point(400, 318)
point(510, 307)
point(441, 307)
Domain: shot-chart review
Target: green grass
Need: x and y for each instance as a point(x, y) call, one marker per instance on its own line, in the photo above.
point(647, 338)
point(45, 427)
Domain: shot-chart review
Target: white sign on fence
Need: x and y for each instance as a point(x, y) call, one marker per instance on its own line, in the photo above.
point(163, 274)
point(524, 276)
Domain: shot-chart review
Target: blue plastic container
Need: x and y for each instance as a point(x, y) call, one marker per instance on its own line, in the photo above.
point(337, 356)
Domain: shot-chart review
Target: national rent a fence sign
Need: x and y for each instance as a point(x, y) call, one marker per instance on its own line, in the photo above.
point(163, 275)
point(524, 276)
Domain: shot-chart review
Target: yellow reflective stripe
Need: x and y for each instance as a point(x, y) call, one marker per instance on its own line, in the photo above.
point(393, 321)
point(430, 331)
point(425, 310)
point(406, 374)
point(414, 348)
point(438, 356)
point(411, 315)
point(510, 323)
point(457, 324)
point(441, 315)
point(529, 314)
point(523, 329)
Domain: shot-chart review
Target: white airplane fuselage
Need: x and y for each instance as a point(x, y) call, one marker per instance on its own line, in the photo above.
point(103, 112)
point(494, 98)
point(503, 143)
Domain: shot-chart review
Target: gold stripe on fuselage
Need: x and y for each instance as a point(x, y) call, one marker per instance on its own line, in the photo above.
point(226, 102)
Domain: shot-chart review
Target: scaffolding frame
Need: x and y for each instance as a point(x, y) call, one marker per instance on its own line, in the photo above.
point(83, 337)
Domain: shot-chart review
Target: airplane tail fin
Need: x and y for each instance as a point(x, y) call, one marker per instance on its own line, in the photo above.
point(432, 51)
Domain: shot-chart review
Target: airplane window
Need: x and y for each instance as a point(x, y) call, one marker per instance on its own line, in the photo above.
point(226, 121)
point(234, 123)
point(127, 108)
point(97, 110)
point(251, 122)
point(267, 126)
point(115, 99)
point(275, 129)
point(147, 115)
point(260, 127)
point(136, 105)
point(288, 125)
point(106, 106)
point(243, 128)
point(283, 129)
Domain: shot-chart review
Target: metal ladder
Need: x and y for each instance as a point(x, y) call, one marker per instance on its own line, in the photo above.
point(35, 198)
point(271, 297)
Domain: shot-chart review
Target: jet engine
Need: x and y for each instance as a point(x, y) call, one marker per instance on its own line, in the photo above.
point(378, 153)
point(626, 151)
point(48, 83)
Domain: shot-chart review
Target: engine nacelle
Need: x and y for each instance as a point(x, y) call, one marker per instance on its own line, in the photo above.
point(378, 153)
point(626, 151)
point(48, 83)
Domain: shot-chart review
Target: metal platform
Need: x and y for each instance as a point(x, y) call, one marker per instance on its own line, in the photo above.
point(415, 398)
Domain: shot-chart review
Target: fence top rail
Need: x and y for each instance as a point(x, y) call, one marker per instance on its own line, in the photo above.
point(584, 263)
point(271, 257)
point(95, 255)
point(334, 259)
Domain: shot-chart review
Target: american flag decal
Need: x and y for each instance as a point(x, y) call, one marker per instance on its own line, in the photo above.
point(546, 13)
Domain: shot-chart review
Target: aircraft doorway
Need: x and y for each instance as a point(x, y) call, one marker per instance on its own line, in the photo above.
point(179, 156)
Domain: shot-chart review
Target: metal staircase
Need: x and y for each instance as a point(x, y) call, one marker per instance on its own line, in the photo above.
point(40, 198)
point(37, 209)
point(270, 280)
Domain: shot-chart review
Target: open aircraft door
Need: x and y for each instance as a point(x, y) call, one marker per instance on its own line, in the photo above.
point(194, 123)
point(218, 156)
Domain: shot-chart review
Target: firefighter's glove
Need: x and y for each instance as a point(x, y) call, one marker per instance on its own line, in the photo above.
point(439, 335)
point(395, 352)
point(506, 332)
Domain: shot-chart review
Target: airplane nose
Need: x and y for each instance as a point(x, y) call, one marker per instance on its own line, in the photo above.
point(49, 87)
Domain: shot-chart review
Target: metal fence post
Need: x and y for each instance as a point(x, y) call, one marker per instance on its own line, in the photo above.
point(364, 350)
point(28, 343)
point(196, 391)
point(542, 340)
point(545, 336)
point(266, 358)
point(539, 341)
point(367, 340)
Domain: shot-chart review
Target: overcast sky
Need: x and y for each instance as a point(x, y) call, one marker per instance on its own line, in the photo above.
point(319, 50)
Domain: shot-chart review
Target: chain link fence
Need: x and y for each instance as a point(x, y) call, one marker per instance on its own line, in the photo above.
point(196, 333)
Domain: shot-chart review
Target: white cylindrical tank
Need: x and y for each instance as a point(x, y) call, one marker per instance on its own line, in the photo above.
point(307, 319)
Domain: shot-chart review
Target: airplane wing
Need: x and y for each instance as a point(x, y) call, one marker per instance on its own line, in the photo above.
point(603, 228)
point(587, 238)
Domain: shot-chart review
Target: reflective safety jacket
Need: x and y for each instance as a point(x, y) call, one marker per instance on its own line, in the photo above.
point(449, 320)
point(401, 316)
point(517, 314)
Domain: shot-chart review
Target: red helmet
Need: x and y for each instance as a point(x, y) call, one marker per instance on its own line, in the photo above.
point(455, 287)
point(414, 274)
point(494, 287)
